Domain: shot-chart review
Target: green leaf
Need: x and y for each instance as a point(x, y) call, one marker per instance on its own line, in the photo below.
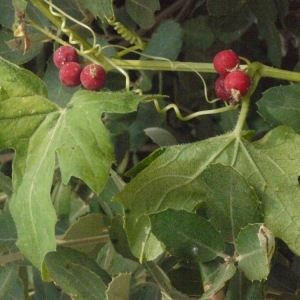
point(114, 263)
point(5, 184)
point(166, 42)
point(218, 279)
point(118, 237)
point(266, 14)
point(252, 259)
point(43, 289)
point(76, 274)
point(145, 163)
point(280, 105)
point(269, 32)
point(38, 129)
point(17, 291)
point(6, 13)
point(18, 82)
point(8, 234)
point(161, 136)
point(86, 227)
point(231, 27)
point(231, 201)
point(60, 197)
point(99, 8)
point(19, 4)
point(104, 199)
point(197, 33)
point(185, 277)
point(159, 276)
point(187, 235)
point(142, 11)
point(269, 166)
point(218, 8)
point(147, 116)
point(241, 288)
point(8, 277)
point(119, 287)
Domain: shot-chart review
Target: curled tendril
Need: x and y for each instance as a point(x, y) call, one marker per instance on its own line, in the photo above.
point(63, 16)
point(126, 33)
point(190, 116)
point(131, 37)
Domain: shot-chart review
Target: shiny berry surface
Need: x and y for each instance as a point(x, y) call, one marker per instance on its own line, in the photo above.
point(63, 55)
point(225, 62)
point(69, 74)
point(93, 77)
point(237, 81)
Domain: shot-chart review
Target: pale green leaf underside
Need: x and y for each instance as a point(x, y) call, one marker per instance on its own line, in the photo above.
point(271, 166)
point(38, 129)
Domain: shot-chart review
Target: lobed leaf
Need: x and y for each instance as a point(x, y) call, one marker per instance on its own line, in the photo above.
point(38, 129)
point(271, 166)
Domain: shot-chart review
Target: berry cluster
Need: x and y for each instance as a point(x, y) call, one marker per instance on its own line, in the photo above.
point(71, 74)
point(233, 83)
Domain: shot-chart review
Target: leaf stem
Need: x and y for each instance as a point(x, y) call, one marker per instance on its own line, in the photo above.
point(242, 117)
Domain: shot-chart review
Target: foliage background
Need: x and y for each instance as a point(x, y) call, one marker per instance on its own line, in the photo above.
point(188, 31)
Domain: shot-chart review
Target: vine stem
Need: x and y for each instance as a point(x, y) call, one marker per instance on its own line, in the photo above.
point(156, 65)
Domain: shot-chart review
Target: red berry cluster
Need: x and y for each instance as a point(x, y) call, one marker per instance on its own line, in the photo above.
point(71, 74)
point(233, 83)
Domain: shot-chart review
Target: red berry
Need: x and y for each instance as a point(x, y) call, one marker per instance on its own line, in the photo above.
point(69, 74)
point(63, 55)
point(237, 82)
point(225, 62)
point(220, 89)
point(93, 77)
